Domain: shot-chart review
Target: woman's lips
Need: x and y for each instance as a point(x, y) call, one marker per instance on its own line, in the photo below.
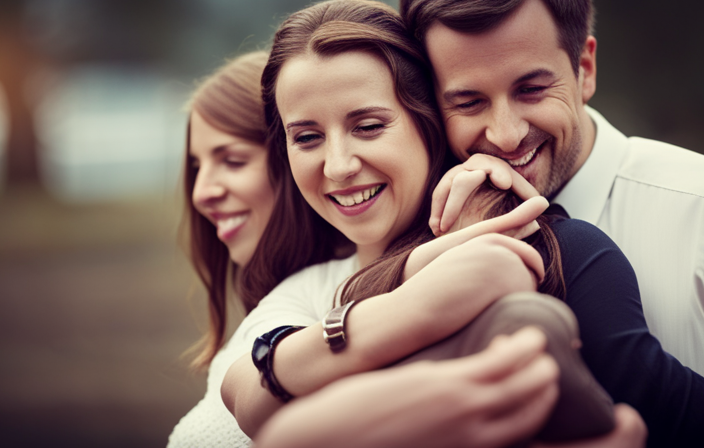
point(230, 225)
point(356, 202)
point(357, 197)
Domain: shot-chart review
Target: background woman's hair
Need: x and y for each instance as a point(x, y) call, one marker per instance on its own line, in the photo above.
point(328, 29)
point(229, 100)
point(494, 203)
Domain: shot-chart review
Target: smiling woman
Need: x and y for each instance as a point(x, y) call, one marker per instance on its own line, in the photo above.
point(232, 189)
point(354, 150)
point(230, 195)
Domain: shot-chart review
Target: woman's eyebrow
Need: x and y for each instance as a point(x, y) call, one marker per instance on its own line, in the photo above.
point(299, 123)
point(366, 110)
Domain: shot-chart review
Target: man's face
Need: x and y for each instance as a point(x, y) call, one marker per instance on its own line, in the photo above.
point(511, 92)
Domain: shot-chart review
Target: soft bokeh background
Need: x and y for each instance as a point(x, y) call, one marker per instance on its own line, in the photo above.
point(97, 301)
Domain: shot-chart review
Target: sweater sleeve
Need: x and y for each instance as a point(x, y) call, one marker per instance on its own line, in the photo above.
point(624, 357)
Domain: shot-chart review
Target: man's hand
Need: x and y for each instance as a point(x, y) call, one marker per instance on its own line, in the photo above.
point(630, 432)
point(459, 183)
point(518, 223)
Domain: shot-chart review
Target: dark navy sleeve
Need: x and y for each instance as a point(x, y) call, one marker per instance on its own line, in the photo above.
point(625, 358)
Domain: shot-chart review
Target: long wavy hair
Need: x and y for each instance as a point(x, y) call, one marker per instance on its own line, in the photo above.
point(328, 29)
point(229, 100)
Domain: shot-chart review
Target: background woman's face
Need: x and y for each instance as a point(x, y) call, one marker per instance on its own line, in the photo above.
point(232, 188)
point(354, 151)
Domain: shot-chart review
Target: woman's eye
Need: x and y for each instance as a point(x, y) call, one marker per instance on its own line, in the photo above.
point(305, 139)
point(235, 163)
point(468, 105)
point(370, 130)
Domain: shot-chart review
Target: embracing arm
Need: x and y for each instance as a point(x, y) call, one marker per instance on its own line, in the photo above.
point(427, 308)
point(490, 399)
point(625, 358)
point(519, 223)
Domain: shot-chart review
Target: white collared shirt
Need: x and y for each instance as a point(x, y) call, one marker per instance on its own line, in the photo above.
point(648, 196)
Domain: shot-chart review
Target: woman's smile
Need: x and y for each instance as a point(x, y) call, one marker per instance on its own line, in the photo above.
point(355, 201)
point(355, 152)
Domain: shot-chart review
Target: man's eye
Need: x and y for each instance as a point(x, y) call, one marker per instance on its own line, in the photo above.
point(528, 90)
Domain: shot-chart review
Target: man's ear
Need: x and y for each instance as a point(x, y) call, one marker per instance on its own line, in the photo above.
point(587, 69)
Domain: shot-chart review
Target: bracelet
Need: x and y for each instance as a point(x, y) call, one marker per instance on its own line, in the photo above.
point(263, 359)
point(334, 327)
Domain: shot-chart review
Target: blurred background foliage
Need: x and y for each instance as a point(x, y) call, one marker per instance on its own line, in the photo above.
point(97, 301)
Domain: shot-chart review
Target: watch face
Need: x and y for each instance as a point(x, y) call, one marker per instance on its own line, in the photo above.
point(259, 352)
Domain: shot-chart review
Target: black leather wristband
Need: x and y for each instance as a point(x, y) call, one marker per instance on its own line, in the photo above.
point(263, 359)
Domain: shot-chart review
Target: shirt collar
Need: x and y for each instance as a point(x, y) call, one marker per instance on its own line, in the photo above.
point(585, 195)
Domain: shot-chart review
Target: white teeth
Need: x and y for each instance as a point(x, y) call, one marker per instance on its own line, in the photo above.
point(523, 160)
point(227, 224)
point(348, 200)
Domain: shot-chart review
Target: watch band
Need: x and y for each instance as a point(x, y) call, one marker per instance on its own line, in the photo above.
point(334, 327)
point(263, 359)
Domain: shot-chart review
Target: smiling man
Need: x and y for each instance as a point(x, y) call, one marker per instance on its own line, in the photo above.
point(513, 78)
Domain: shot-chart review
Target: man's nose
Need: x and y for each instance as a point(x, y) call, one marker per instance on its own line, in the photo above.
point(341, 161)
point(506, 127)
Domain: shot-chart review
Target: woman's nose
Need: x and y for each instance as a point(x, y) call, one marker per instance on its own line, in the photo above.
point(341, 162)
point(207, 188)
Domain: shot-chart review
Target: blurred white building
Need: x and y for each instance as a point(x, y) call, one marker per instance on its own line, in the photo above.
point(108, 132)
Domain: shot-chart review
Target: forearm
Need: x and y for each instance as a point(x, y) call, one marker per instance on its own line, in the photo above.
point(519, 223)
point(380, 330)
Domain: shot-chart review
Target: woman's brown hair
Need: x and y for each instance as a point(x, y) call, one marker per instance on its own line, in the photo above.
point(229, 100)
point(328, 29)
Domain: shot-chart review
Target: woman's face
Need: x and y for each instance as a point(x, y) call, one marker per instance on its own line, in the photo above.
point(232, 188)
point(354, 151)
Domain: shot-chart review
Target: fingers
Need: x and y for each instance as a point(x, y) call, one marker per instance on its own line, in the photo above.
point(530, 257)
point(520, 216)
point(524, 189)
point(505, 355)
point(440, 194)
point(525, 231)
point(525, 415)
point(463, 184)
point(630, 425)
point(517, 387)
point(498, 170)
